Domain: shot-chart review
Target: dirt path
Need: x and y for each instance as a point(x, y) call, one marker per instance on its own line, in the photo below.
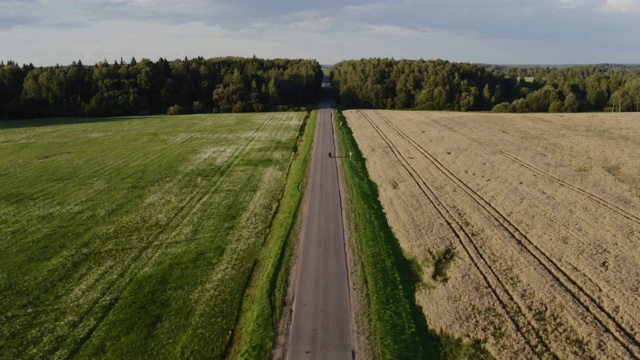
point(542, 211)
point(321, 323)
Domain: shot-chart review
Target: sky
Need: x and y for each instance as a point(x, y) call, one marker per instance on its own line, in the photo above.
point(50, 32)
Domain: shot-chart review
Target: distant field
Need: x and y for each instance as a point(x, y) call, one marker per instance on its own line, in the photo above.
point(526, 227)
point(134, 237)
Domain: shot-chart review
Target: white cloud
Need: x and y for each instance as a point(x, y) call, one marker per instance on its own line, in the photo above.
point(46, 32)
point(314, 26)
point(393, 30)
point(367, 9)
point(623, 6)
point(571, 4)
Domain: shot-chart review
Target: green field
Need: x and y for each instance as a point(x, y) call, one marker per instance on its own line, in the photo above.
point(136, 237)
point(261, 312)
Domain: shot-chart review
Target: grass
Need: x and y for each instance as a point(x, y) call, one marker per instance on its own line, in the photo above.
point(613, 169)
point(442, 263)
point(136, 237)
point(261, 313)
point(397, 326)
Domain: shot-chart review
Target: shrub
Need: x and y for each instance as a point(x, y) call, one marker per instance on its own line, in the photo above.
point(175, 110)
point(501, 108)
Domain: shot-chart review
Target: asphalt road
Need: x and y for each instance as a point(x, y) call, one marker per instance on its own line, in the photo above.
point(321, 324)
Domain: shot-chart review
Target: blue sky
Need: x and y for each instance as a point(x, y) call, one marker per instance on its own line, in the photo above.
point(47, 32)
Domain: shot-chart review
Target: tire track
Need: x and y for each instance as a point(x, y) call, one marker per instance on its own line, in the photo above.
point(129, 271)
point(106, 171)
point(609, 205)
point(76, 198)
point(577, 292)
point(515, 312)
point(54, 161)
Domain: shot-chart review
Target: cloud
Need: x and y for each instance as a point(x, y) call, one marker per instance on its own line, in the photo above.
point(622, 6)
point(394, 31)
point(314, 26)
point(366, 9)
point(16, 13)
point(233, 15)
point(10, 21)
point(503, 31)
point(571, 4)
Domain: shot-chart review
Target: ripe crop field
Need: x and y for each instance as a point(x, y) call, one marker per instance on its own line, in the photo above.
point(134, 237)
point(526, 227)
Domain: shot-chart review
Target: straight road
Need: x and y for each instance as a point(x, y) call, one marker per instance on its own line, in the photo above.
point(321, 324)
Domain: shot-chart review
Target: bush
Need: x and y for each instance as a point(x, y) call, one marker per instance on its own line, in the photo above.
point(199, 107)
point(175, 110)
point(442, 263)
point(501, 108)
point(519, 106)
point(556, 106)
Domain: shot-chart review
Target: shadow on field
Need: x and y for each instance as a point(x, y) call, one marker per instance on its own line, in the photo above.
point(17, 124)
point(400, 331)
point(399, 326)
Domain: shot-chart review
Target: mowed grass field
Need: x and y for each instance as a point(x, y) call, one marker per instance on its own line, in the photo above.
point(135, 237)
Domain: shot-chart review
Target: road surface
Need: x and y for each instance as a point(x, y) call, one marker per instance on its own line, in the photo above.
point(321, 324)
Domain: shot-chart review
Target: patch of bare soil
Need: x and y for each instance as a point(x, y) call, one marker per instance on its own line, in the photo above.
point(526, 226)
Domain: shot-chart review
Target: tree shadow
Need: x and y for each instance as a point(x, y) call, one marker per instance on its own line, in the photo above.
point(26, 123)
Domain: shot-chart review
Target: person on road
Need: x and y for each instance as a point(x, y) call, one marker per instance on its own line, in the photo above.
point(329, 154)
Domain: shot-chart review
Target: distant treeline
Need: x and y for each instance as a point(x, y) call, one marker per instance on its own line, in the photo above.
point(145, 87)
point(443, 85)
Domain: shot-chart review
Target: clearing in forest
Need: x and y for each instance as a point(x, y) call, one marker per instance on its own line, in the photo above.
point(526, 227)
point(134, 237)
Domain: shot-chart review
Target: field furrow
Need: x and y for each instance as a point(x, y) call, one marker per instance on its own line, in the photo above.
point(609, 205)
point(509, 304)
point(505, 213)
point(577, 292)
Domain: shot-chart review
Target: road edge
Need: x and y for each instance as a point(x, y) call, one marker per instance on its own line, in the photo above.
point(361, 350)
point(279, 350)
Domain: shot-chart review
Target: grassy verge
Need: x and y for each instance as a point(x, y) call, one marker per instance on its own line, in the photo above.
point(262, 310)
point(397, 326)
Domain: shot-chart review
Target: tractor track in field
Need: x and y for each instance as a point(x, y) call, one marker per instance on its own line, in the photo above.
point(587, 301)
point(496, 285)
point(609, 205)
point(138, 260)
point(106, 170)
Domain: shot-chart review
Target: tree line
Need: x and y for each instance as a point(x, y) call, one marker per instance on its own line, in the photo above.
point(443, 85)
point(145, 87)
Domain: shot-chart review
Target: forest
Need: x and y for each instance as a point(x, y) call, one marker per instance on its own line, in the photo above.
point(442, 85)
point(145, 87)
point(233, 84)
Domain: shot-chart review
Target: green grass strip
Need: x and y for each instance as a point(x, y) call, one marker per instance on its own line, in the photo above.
point(263, 306)
point(397, 326)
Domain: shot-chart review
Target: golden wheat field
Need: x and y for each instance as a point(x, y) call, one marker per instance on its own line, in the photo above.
point(526, 227)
